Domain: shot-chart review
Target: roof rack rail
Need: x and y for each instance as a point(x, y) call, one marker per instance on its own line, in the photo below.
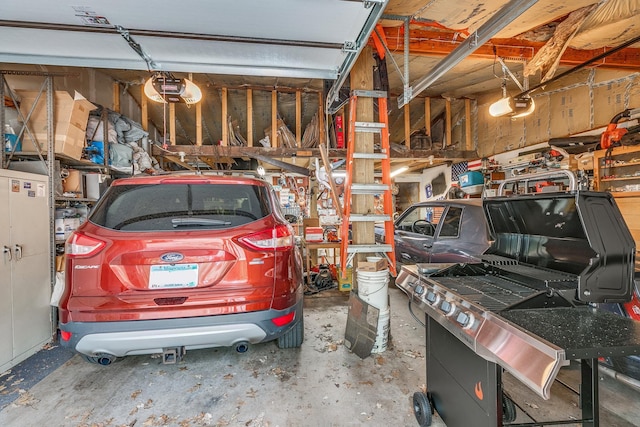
point(225, 172)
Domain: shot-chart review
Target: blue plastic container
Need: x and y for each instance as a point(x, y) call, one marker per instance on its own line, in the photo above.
point(10, 141)
point(470, 178)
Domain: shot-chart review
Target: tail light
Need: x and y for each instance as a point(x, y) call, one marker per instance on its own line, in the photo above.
point(81, 245)
point(284, 320)
point(279, 238)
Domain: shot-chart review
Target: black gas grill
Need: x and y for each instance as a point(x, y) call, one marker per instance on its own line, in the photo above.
point(528, 307)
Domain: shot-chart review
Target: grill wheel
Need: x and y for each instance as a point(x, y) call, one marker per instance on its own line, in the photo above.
point(508, 409)
point(422, 408)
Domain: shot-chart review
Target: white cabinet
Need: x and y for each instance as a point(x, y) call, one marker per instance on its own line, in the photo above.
point(25, 272)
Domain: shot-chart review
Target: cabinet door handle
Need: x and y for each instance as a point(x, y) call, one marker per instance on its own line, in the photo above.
point(18, 251)
point(7, 250)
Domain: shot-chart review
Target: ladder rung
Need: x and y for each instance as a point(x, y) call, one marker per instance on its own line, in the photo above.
point(369, 249)
point(369, 126)
point(368, 188)
point(368, 217)
point(370, 93)
point(374, 156)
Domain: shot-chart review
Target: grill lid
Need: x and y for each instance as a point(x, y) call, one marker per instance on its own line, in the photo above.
point(580, 233)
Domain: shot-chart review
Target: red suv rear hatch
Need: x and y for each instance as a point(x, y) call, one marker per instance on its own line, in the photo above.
point(167, 248)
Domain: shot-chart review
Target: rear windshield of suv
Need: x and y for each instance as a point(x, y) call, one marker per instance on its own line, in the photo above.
point(162, 207)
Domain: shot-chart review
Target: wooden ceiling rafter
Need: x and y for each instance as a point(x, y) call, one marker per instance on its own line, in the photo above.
point(443, 42)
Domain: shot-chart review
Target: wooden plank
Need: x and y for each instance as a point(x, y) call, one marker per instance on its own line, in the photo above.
point(298, 118)
point(322, 137)
point(467, 116)
point(442, 42)
point(274, 118)
point(199, 123)
point(332, 185)
point(225, 128)
point(176, 160)
point(144, 110)
point(427, 115)
point(448, 121)
point(417, 155)
point(407, 126)
point(116, 97)
point(250, 117)
point(172, 123)
point(630, 210)
point(362, 79)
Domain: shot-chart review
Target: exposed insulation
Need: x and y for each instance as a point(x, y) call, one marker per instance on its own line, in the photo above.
point(547, 59)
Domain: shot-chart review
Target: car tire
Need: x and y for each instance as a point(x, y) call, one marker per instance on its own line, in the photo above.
point(294, 337)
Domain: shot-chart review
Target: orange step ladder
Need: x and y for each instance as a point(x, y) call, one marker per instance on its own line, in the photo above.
point(348, 250)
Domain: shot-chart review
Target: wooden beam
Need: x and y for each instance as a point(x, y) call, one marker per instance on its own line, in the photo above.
point(116, 97)
point(321, 116)
point(332, 186)
point(199, 123)
point(274, 118)
point(363, 169)
point(144, 110)
point(427, 116)
point(467, 119)
point(176, 160)
point(407, 126)
point(298, 118)
point(172, 123)
point(250, 117)
point(441, 43)
point(224, 124)
point(447, 108)
point(283, 152)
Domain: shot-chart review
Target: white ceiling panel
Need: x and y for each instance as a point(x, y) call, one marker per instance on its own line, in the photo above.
point(294, 38)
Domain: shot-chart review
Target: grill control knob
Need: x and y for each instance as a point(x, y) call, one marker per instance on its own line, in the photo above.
point(447, 307)
point(451, 310)
point(419, 289)
point(465, 320)
point(432, 298)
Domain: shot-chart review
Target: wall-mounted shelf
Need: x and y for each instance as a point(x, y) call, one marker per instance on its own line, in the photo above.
point(618, 171)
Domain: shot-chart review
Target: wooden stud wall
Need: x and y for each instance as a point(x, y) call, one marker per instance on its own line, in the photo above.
point(224, 117)
point(225, 127)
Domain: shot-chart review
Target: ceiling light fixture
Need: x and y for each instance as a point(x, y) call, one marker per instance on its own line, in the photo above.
point(163, 87)
point(512, 107)
point(399, 171)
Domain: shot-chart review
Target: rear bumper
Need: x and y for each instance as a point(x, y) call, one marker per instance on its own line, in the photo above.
point(152, 336)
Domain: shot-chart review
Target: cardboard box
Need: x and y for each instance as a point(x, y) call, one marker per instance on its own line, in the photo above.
point(314, 234)
point(378, 265)
point(70, 117)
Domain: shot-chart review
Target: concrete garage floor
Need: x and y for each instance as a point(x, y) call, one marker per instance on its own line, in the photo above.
point(320, 384)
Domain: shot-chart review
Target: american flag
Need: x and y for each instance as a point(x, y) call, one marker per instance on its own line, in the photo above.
point(474, 165)
point(458, 169)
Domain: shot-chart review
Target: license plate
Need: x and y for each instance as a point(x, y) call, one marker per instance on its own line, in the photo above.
point(173, 276)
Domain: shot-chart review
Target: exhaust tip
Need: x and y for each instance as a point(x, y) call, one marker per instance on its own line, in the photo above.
point(105, 359)
point(241, 347)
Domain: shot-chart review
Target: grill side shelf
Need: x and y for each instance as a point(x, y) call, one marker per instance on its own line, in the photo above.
point(533, 361)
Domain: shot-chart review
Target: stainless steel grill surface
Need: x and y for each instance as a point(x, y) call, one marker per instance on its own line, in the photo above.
point(528, 306)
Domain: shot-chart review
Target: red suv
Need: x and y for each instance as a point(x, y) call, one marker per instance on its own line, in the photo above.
point(175, 262)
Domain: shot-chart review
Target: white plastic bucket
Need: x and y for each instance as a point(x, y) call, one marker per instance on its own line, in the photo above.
point(382, 336)
point(373, 288)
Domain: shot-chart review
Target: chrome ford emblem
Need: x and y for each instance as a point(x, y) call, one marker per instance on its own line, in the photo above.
point(172, 257)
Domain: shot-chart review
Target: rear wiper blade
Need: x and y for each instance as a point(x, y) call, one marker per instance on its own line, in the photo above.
point(178, 222)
